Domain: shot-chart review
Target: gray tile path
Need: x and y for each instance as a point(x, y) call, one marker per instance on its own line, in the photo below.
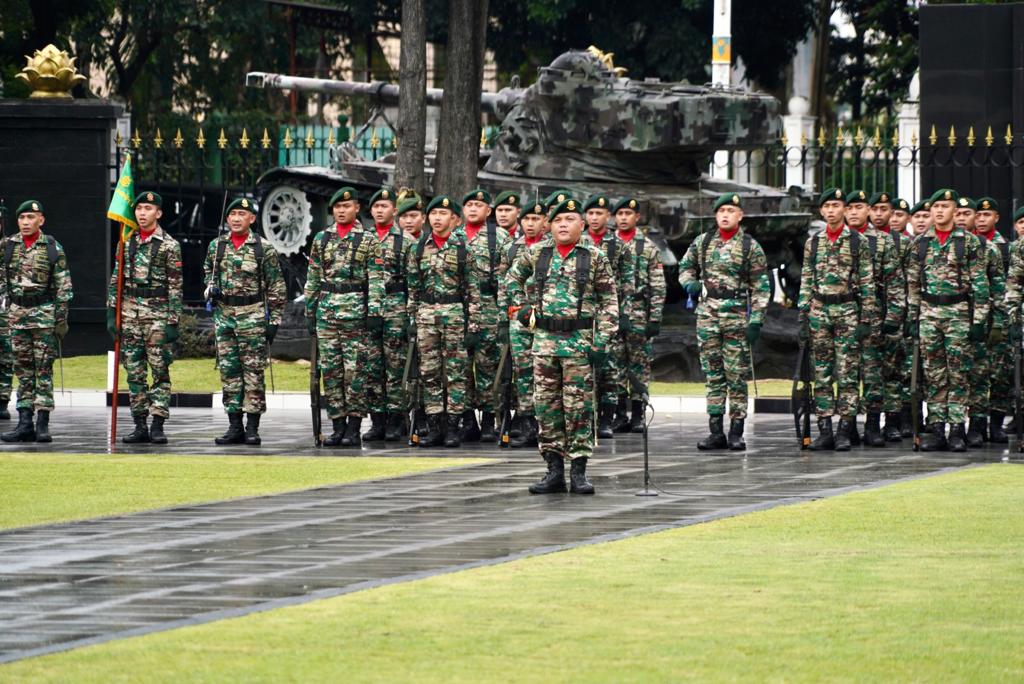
point(67, 585)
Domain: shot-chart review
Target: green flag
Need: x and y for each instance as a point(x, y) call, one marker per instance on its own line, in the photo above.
point(121, 208)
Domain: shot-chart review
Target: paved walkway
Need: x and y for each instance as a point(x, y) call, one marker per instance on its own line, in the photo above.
point(67, 585)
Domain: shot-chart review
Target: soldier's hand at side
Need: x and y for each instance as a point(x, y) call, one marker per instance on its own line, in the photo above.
point(625, 325)
point(375, 324)
point(862, 331)
point(890, 328)
point(472, 341)
point(652, 329)
point(170, 333)
point(753, 333)
point(996, 335)
point(112, 323)
point(271, 333)
point(61, 328)
point(597, 357)
point(693, 288)
point(977, 333)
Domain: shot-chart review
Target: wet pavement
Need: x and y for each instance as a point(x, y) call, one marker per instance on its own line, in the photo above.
point(67, 585)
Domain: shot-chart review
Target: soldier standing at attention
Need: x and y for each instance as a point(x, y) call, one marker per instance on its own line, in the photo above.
point(647, 306)
point(150, 310)
point(611, 380)
point(243, 278)
point(920, 218)
point(566, 292)
point(410, 216)
point(507, 207)
point(1015, 285)
point(837, 299)
point(444, 318)
point(731, 268)
point(900, 219)
point(487, 244)
point(37, 284)
point(949, 301)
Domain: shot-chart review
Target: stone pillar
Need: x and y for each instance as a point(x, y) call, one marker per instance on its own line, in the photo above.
point(798, 128)
point(908, 122)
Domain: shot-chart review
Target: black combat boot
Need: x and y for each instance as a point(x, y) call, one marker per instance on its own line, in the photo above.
point(252, 429)
point(527, 433)
point(156, 432)
point(976, 430)
point(855, 439)
point(578, 482)
point(736, 442)
point(140, 435)
point(435, 431)
point(957, 438)
point(873, 430)
point(554, 481)
point(716, 439)
point(452, 435)
point(4, 413)
point(43, 426)
point(338, 427)
point(352, 429)
point(934, 438)
point(906, 421)
point(636, 423)
point(395, 428)
point(996, 434)
point(826, 441)
point(516, 426)
point(893, 427)
point(24, 431)
point(470, 431)
point(376, 431)
point(604, 422)
point(487, 433)
point(620, 423)
point(235, 433)
point(847, 428)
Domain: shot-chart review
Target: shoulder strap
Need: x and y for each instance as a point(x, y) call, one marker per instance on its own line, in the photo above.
point(154, 249)
point(613, 245)
point(257, 249)
point(513, 251)
point(814, 258)
point(420, 247)
point(960, 249)
point(639, 242)
point(855, 260)
point(745, 261)
point(582, 276)
point(540, 272)
point(325, 237)
point(133, 247)
point(222, 245)
point(705, 243)
point(8, 255)
point(398, 252)
point(1004, 248)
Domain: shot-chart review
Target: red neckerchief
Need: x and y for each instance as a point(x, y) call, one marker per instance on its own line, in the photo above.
point(382, 231)
point(417, 234)
point(943, 235)
point(726, 236)
point(627, 236)
point(597, 237)
point(440, 241)
point(565, 249)
point(31, 240)
point(989, 235)
point(862, 229)
point(238, 239)
point(343, 230)
point(832, 237)
point(512, 230)
point(885, 230)
point(473, 229)
point(532, 240)
point(144, 235)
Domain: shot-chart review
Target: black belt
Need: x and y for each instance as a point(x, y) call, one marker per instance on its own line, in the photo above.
point(488, 290)
point(239, 300)
point(843, 298)
point(712, 293)
point(31, 300)
point(428, 298)
point(394, 288)
point(343, 288)
point(564, 324)
point(944, 300)
point(146, 292)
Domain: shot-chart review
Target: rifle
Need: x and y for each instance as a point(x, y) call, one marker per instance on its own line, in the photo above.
point(915, 391)
point(800, 400)
point(502, 391)
point(314, 390)
point(411, 385)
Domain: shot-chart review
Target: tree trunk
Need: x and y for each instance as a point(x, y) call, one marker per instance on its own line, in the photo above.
point(412, 104)
point(458, 145)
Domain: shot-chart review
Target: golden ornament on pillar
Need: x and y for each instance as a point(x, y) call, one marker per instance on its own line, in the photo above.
point(51, 73)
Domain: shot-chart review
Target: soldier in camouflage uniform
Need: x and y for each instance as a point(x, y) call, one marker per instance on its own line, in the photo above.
point(730, 267)
point(387, 350)
point(344, 295)
point(243, 280)
point(920, 217)
point(573, 312)
point(6, 363)
point(948, 300)
point(410, 215)
point(37, 285)
point(1015, 292)
point(507, 208)
point(444, 318)
point(150, 311)
point(836, 303)
point(487, 244)
point(647, 307)
point(611, 377)
point(899, 219)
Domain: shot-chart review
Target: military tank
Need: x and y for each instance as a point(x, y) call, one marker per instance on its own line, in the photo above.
point(585, 127)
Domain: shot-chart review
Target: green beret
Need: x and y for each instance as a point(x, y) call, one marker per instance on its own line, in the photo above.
point(730, 198)
point(987, 204)
point(343, 195)
point(508, 197)
point(29, 205)
point(626, 203)
point(556, 197)
point(597, 202)
point(566, 206)
point(881, 198)
point(857, 196)
point(409, 204)
point(478, 194)
point(945, 194)
point(148, 198)
point(384, 194)
point(966, 203)
point(830, 195)
point(1019, 214)
point(444, 202)
point(923, 205)
point(536, 207)
point(241, 203)
point(901, 204)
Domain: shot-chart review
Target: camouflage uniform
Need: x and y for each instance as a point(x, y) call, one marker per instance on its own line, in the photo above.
point(645, 310)
point(940, 295)
point(38, 294)
point(992, 371)
point(6, 359)
point(898, 350)
point(386, 350)
point(151, 301)
point(345, 287)
point(240, 318)
point(727, 277)
point(520, 337)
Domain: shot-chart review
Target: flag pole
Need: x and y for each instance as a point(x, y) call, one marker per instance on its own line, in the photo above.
point(117, 337)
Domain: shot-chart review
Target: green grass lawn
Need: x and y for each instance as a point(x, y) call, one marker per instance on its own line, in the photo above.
point(48, 488)
point(922, 580)
point(765, 388)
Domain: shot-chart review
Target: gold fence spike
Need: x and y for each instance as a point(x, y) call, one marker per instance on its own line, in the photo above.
point(158, 141)
point(877, 140)
point(136, 140)
point(913, 139)
point(784, 139)
point(988, 137)
point(118, 139)
point(1009, 136)
point(222, 140)
point(859, 137)
point(265, 140)
point(201, 139)
point(932, 137)
point(330, 138)
point(310, 140)
point(952, 136)
point(841, 137)
point(822, 138)
point(244, 140)
point(288, 138)
point(483, 137)
point(179, 140)
point(394, 142)
point(896, 137)
point(803, 139)
point(374, 140)
point(970, 137)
